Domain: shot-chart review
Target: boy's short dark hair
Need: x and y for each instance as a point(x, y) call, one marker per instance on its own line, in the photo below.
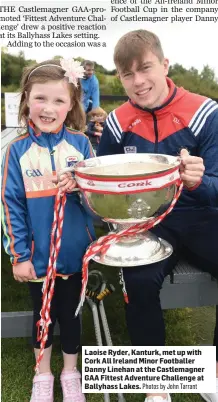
point(133, 46)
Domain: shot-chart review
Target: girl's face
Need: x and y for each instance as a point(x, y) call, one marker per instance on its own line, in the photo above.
point(49, 104)
point(99, 118)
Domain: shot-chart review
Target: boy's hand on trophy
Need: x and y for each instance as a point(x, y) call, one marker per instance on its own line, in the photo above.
point(24, 271)
point(191, 169)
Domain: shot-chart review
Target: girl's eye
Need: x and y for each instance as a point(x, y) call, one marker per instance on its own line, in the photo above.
point(39, 97)
point(60, 101)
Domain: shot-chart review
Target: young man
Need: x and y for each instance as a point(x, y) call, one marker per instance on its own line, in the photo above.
point(161, 118)
point(90, 87)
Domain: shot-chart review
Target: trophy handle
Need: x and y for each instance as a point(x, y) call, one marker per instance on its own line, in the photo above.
point(179, 187)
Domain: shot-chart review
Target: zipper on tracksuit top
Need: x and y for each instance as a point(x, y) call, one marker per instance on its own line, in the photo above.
point(155, 132)
point(51, 152)
point(154, 116)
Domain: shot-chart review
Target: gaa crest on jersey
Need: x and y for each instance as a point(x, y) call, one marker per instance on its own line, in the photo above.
point(71, 160)
point(130, 150)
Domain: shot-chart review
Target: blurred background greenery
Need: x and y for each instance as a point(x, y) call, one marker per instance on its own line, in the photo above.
point(202, 82)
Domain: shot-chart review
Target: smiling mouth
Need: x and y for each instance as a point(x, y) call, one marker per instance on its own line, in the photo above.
point(143, 92)
point(45, 119)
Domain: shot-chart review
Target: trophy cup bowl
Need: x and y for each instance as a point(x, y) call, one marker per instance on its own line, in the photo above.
point(125, 190)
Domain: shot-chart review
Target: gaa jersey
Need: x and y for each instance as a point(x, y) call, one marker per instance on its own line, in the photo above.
point(185, 120)
point(28, 196)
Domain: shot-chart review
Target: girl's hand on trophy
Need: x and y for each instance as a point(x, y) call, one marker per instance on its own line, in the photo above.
point(191, 169)
point(65, 182)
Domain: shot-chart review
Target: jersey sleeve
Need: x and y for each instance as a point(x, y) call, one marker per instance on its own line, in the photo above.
point(207, 191)
point(110, 142)
point(14, 208)
point(88, 150)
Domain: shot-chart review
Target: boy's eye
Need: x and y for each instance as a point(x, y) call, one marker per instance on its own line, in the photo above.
point(145, 68)
point(127, 75)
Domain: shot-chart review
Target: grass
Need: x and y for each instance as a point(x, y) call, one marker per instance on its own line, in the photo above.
point(17, 372)
point(183, 327)
point(17, 363)
point(15, 295)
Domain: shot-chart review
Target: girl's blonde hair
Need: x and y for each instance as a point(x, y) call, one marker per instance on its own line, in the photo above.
point(49, 72)
point(96, 112)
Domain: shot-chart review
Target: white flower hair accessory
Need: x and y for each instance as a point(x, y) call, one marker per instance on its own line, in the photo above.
point(74, 70)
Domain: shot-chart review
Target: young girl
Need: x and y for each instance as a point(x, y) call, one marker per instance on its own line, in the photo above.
point(50, 103)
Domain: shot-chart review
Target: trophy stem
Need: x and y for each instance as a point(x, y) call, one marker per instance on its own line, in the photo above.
point(134, 250)
point(120, 226)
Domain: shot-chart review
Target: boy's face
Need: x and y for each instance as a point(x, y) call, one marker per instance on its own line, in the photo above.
point(146, 84)
point(49, 104)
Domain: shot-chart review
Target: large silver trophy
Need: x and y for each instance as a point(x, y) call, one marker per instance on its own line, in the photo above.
point(126, 190)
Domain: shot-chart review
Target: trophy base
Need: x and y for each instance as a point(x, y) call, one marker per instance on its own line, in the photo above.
point(130, 251)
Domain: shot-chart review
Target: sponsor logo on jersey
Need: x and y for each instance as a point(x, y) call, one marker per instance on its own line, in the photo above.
point(71, 160)
point(130, 150)
point(137, 121)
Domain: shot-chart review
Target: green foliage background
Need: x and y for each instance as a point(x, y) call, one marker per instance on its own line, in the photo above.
point(203, 82)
